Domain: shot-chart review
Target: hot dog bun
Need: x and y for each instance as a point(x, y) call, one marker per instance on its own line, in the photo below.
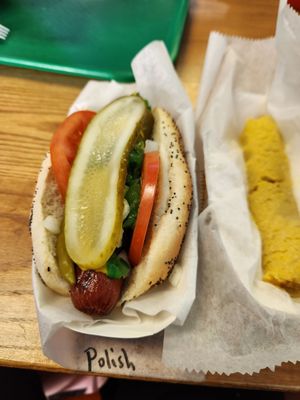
point(47, 202)
point(167, 226)
point(171, 211)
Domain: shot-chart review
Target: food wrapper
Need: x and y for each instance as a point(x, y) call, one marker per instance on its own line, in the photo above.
point(63, 329)
point(239, 323)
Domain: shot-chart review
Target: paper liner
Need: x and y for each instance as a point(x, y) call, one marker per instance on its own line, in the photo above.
point(239, 323)
point(156, 79)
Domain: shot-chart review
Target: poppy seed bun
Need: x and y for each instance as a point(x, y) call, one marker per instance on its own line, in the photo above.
point(170, 213)
point(47, 201)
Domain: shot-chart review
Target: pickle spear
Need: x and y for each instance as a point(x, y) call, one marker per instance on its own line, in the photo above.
point(94, 201)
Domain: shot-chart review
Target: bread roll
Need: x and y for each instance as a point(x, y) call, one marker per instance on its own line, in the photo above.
point(47, 202)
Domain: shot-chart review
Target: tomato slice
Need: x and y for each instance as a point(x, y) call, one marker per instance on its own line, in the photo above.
point(64, 145)
point(149, 184)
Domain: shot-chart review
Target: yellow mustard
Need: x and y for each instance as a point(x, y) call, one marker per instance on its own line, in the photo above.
point(272, 203)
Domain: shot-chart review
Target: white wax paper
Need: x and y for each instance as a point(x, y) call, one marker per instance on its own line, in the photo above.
point(239, 323)
point(157, 81)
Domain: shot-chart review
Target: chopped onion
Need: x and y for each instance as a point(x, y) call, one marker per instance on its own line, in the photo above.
point(52, 224)
point(150, 145)
point(123, 255)
point(126, 209)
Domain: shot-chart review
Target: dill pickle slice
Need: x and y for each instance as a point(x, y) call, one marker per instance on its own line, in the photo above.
point(94, 201)
point(65, 264)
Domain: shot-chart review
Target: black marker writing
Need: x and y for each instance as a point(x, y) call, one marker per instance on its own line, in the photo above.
point(112, 360)
point(91, 354)
point(121, 365)
point(108, 359)
point(128, 363)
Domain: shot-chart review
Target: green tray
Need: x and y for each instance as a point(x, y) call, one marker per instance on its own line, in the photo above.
point(91, 38)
